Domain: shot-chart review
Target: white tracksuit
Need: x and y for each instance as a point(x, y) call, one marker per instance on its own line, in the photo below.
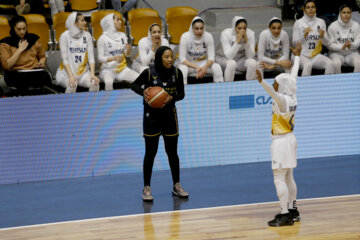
point(311, 56)
point(77, 50)
point(146, 56)
point(234, 56)
point(198, 51)
point(340, 32)
point(112, 43)
point(271, 49)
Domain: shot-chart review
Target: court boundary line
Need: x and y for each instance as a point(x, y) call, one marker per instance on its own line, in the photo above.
point(165, 212)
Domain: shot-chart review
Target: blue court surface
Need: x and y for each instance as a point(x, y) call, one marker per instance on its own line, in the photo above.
point(116, 195)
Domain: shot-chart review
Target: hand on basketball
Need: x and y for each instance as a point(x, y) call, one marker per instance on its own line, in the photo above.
point(168, 99)
point(147, 94)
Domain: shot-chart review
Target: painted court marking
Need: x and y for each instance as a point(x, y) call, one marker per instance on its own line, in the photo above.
point(166, 212)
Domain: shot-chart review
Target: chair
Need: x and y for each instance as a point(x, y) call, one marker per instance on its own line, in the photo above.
point(4, 27)
point(83, 5)
point(59, 20)
point(179, 20)
point(140, 20)
point(95, 22)
point(37, 24)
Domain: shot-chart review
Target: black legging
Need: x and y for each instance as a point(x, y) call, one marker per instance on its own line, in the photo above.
point(151, 147)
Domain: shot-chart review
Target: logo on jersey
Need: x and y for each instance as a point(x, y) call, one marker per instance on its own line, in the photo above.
point(122, 41)
point(84, 39)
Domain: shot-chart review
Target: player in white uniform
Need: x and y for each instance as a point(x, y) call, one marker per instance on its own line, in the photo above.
point(112, 53)
point(236, 50)
point(197, 52)
point(311, 32)
point(147, 47)
point(273, 47)
point(284, 145)
point(345, 40)
point(77, 53)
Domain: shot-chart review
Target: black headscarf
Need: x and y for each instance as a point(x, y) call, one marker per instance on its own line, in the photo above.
point(163, 72)
point(14, 39)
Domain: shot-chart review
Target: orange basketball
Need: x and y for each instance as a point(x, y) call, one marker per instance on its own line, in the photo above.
point(157, 96)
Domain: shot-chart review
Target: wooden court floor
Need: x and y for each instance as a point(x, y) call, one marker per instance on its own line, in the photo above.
point(321, 218)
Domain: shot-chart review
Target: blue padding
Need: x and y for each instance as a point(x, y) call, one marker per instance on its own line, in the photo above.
point(100, 133)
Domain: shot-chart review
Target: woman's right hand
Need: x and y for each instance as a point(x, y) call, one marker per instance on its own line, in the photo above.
point(307, 31)
point(146, 94)
point(23, 44)
point(72, 82)
point(118, 58)
point(155, 45)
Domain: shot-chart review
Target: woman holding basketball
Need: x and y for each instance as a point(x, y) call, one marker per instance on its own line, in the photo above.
point(163, 120)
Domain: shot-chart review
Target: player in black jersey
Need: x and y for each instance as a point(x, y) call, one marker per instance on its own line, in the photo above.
point(161, 121)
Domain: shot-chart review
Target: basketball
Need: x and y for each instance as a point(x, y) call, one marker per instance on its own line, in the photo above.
point(157, 96)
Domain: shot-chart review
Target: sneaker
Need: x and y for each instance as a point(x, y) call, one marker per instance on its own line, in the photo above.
point(295, 214)
point(179, 191)
point(146, 196)
point(281, 220)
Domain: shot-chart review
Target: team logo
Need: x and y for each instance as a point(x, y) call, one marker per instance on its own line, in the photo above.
point(109, 44)
point(204, 45)
point(84, 39)
point(122, 41)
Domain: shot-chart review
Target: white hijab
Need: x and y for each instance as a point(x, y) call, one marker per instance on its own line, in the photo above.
point(275, 40)
point(308, 20)
point(345, 24)
point(74, 31)
point(287, 84)
point(108, 27)
point(233, 25)
point(194, 39)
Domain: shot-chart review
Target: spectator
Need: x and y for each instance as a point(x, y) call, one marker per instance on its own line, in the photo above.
point(22, 6)
point(23, 58)
point(112, 52)
point(56, 6)
point(147, 47)
point(273, 47)
point(345, 40)
point(77, 53)
point(197, 53)
point(236, 50)
point(310, 31)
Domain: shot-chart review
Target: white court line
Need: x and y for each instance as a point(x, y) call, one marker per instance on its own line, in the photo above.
point(165, 212)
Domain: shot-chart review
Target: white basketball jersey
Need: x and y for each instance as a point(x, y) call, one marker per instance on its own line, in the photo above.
point(77, 55)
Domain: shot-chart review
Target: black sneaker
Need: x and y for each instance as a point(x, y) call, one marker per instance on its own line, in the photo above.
point(295, 214)
point(281, 220)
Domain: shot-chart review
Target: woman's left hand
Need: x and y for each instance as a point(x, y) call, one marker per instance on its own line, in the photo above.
point(95, 79)
point(40, 65)
point(168, 99)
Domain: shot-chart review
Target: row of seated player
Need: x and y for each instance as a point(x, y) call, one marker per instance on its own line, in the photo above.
point(195, 42)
